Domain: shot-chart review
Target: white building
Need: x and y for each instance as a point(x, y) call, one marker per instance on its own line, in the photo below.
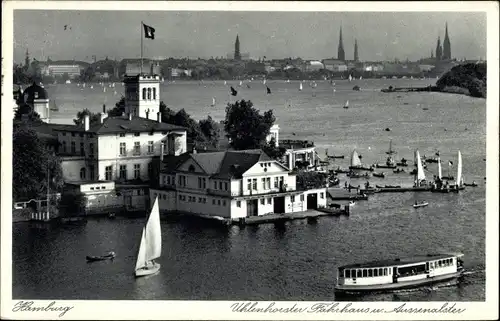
point(58, 70)
point(231, 184)
point(335, 65)
point(314, 65)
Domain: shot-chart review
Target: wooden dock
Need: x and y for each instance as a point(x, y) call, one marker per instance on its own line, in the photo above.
point(281, 218)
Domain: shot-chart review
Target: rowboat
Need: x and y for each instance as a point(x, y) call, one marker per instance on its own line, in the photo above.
point(111, 255)
point(399, 273)
point(422, 204)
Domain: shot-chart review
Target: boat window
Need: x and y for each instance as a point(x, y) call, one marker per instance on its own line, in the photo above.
point(359, 273)
point(385, 271)
point(347, 273)
point(380, 272)
point(370, 272)
point(365, 273)
point(375, 272)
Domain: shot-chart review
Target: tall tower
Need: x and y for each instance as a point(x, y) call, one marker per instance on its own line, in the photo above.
point(27, 59)
point(439, 49)
point(237, 54)
point(340, 51)
point(356, 56)
point(142, 96)
point(446, 45)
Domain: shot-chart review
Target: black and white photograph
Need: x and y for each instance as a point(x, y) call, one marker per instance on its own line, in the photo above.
point(293, 159)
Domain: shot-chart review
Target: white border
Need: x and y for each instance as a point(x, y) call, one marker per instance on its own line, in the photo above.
point(218, 310)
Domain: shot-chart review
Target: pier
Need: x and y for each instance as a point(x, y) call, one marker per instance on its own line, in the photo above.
point(408, 89)
point(281, 218)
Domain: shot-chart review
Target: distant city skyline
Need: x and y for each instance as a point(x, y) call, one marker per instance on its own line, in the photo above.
point(380, 36)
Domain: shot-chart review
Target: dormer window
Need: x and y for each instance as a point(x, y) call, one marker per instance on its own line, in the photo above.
point(191, 168)
point(36, 95)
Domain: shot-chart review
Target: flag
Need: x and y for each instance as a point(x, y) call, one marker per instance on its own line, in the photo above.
point(233, 91)
point(268, 90)
point(450, 163)
point(149, 32)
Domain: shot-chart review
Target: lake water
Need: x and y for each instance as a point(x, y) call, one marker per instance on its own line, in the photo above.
point(297, 261)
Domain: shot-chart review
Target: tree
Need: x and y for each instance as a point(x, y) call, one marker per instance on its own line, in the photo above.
point(194, 133)
point(31, 163)
point(273, 151)
point(72, 202)
point(29, 114)
point(245, 126)
point(167, 114)
point(210, 130)
point(94, 117)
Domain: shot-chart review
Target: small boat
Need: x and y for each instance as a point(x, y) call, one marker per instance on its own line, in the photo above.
point(111, 255)
point(356, 163)
point(346, 105)
point(421, 204)
point(473, 184)
point(392, 186)
point(333, 181)
point(385, 165)
point(399, 170)
point(399, 273)
point(342, 171)
point(390, 151)
point(112, 215)
point(430, 159)
point(356, 175)
point(300, 87)
point(68, 82)
point(150, 247)
point(336, 156)
point(403, 162)
point(381, 174)
point(213, 102)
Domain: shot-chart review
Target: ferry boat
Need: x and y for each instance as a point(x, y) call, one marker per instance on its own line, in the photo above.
point(390, 275)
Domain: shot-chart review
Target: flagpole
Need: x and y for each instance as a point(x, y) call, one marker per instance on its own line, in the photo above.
point(142, 23)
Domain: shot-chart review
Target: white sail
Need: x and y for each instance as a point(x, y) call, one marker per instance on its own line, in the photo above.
point(350, 78)
point(150, 247)
point(440, 171)
point(264, 82)
point(300, 86)
point(241, 82)
point(346, 104)
point(355, 161)
point(213, 101)
point(459, 169)
point(420, 168)
point(225, 82)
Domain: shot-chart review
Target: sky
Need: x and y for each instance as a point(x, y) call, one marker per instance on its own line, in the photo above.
point(309, 35)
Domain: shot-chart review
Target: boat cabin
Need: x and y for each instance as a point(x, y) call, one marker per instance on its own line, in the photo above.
point(398, 270)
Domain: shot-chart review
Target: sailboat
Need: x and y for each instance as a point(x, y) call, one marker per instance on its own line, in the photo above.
point(459, 184)
point(300, 87)
point(264, 82)
point(150, 247)
point(350, 78)
point(346, 105)
point(55, 108)
point(420, 175)
point(440, 170)
point(241, 83)
point(356, 162)
point(213, 102)
point(225, 82)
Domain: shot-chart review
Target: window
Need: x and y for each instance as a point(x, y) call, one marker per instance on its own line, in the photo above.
point(263, 183)
point(83, 173)
point(91, 188)
point(137, 148)
point(137, 134)
point(262, 201)
point(36, 95)
point(91, 149)
point(137, 171)
point(108, 173)
point(64, 147)
point(215, 185)
point(276, 182)
point(359, 273)
point(220, 186)
point(150, 147)
point(143, 93)
point(82, 149)
point(123, 149)
point(365, 273)
point(370, 272)
point(292, 198)
point(254, 183)
point(218, 202)
point(154, 93)
point(225, 186)
point(199, 182)
point(123, 172)
point(92, 172)
point(204, 182)
point(224, 202)
point(238, 203)
point(149, 93)
point(380, 272)
point(213, 202)
point(73, 148)
point(375, 272)
point(249, 184)
point(322, 195)
point(122, 134)
point(269, 200)
point(268, 182)
point(347, 273)
point(302, 197)
point(385, 271)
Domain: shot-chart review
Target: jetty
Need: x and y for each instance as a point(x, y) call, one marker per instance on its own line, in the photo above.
point(281, 218)
point(395, 189)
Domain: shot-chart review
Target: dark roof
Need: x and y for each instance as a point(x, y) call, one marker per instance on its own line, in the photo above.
point(401, 261)
point(296, 144)
point(221, 165)
point(121, 124)
point(35, 91)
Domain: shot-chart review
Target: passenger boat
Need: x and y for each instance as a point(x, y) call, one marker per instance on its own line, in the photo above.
point(109, 256)
point(390, 275)
point(421, 204)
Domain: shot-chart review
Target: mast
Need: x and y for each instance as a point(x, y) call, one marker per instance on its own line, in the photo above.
point(142, 23)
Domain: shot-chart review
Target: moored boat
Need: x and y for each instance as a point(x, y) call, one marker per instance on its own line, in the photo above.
point(420, 204)
point(473, 184)
point(381, 174)
point(390, 275)
point(111, 255)
point(399, 170)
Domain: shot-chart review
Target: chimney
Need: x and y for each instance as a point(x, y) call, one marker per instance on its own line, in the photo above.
point(102, 117)
point(162, 147)
point(86, 122)
point(158, 117)
point(129, 116)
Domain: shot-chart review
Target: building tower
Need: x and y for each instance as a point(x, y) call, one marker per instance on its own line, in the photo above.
point(142, 96)
point(439, 49)
point(27, 60)
point(237, 54)
point(446, 45)
point(356, 56)
point(340, 51)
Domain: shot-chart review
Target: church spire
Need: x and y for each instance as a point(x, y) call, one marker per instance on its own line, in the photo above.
point(446, 45)
point(340, 51)
point(237, 54)
point(356, 55)
point(439, 49)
